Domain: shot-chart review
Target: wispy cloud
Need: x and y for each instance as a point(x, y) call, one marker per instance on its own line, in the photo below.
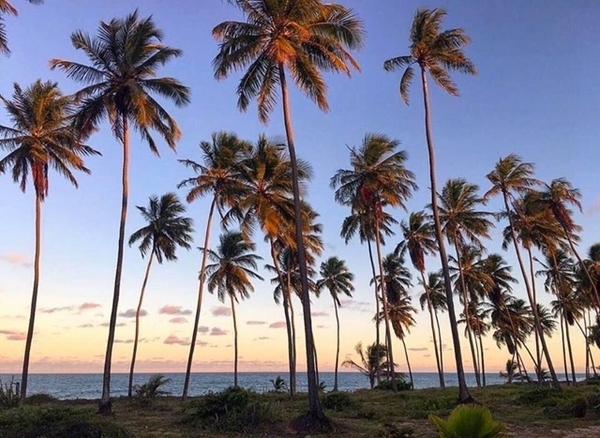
point(203, 329)
point(277, 325)
point(256, 322)
point(105, 324)
point(87, 306)
point(86, 325)
point(16, 258)
point(221, 311)
point(130, 313)
point(175, 340)
point(169, 309)
point(358, 306)
point(217, 331)
point(55, 309)
point(320, 313)
point(76, 308)
point(13, 335)
point(262, 338)
point(594, 209)
point(418, 349)
point(178, 320)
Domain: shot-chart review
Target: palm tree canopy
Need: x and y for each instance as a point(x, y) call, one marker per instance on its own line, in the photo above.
point(437, 294)
point(125, 56)
point(419, 239)
point(167, 229)
point(511, 175)
point(372, 358)
point(362, 222)
point(234, 266)
point(556, 196)
point(7, 9)
point(306, 38)
point(219, 171)
point(434, 51)
point(336, 278)
point(41, 136)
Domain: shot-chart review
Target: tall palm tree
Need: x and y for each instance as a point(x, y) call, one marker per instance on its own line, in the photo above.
point(235, 265)
point(119, 86)
point(462, 222)
point(303, 39)
point(167, 229)
point(433, 288)
point(7, 9)
point(337, 279)
point(39, 139)
point(437, 53)
point(419, 241)
point(371, 358)
point(378, 178)
point(556, 196)
point(219, 176)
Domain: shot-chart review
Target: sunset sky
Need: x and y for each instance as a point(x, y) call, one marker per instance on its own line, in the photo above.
point(536, 95)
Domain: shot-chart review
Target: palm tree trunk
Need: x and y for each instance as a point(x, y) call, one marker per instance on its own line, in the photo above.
point(290, 298)
point(34, 295)
point(316, 363)
point(583, 331)
point(570, 349)
point(137, 325)
point(434, 337)
point(538, 350)
point(482, 353)
point(388, 336)
point(463, 391)
point(531, 296)
point(105, 406)
point(288, 325)
point(315, 415)
point(235, 342)
point(439, 329)
point(337, 346)
point(563, 344)
point(188, 370)
point(377, 339)
point(412, 382)
point(466, 310)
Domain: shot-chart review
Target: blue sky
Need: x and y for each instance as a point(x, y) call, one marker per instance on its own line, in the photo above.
point(536, 95)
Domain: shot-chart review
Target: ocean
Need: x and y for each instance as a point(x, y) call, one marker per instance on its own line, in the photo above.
point(89, 386)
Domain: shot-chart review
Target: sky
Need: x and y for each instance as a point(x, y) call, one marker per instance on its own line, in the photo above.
point(536, 95)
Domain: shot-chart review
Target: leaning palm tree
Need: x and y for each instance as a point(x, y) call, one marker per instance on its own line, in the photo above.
point(7, 9)
point(337, 279)
point(218, 175)
point(119, 86)
point(301, 39)
point(39, 139)
point(372, 358)
point(437, 53)
point(230, 275)
point(167, 230)
point(378, 179)
point(433, 288)
point(419, 241)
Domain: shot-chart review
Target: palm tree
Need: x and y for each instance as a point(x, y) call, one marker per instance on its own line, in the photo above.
point(40, 138)
point(378, 178)
point(7, 9)
point(337, 279)
point(372, 358)
point(167, 229)
point(433, 289)
point(303, 38)
point(125, 57)
point(437, 53)
point(219, 176)
point(419, 241)
point(462, 222)
point(555, 196)
point(234, 266)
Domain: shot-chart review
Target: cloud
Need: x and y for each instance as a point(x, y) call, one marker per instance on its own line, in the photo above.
point(358, 306)
point(262, 338)
point(55, 309)
point(12, 335)
point(216, 331)
point(126, 341)
point(16, 258)
point(105, 324)
point(221, 311)
point(174, 340)
point(178, 320)
point(594, 209)
point(256, 322)
point(320, 313)
point(203, 329)
point(418, 349)
point(277, 325)
point(201, 343)
point(87, 325)
point(87, 306)
point(169, 309)
point(130, 313)
point(322, 326)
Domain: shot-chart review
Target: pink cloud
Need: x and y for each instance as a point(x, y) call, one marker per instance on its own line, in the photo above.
point(178, 320)
point(169, 309)
point(130, 313)
point(16, 258)
point(256, 322)
point(88, 325)
point(87, 306)
point(203, 329)
point(277, 325)
point(319, 314)
point(174, 340)
point(55, 309)
point(12, 335)
point(221, 311)
point(216, 331)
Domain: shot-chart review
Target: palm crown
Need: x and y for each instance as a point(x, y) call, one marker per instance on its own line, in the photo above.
point(7, 9)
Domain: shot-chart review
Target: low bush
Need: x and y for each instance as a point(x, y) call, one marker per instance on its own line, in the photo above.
point(386, 385)
point(539, 396)
point(234, 409)
point(9, 394)
point(570, 408)
point(468, 421)
point(338, 401)
point(40, 399)
point(56, 422)
point(152, 388)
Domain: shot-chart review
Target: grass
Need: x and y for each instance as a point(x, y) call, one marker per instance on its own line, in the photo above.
point(525, 410)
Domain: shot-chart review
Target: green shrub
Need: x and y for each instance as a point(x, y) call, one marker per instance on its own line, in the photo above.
point(468, 421)
point(386, 385)
point(338, 401)
point(579, 407)
point(540, 395)
point(56, 422)
point(234, 409)
point(152, 388)
point(279, 384)
point(40, 399)
point(9, 394)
